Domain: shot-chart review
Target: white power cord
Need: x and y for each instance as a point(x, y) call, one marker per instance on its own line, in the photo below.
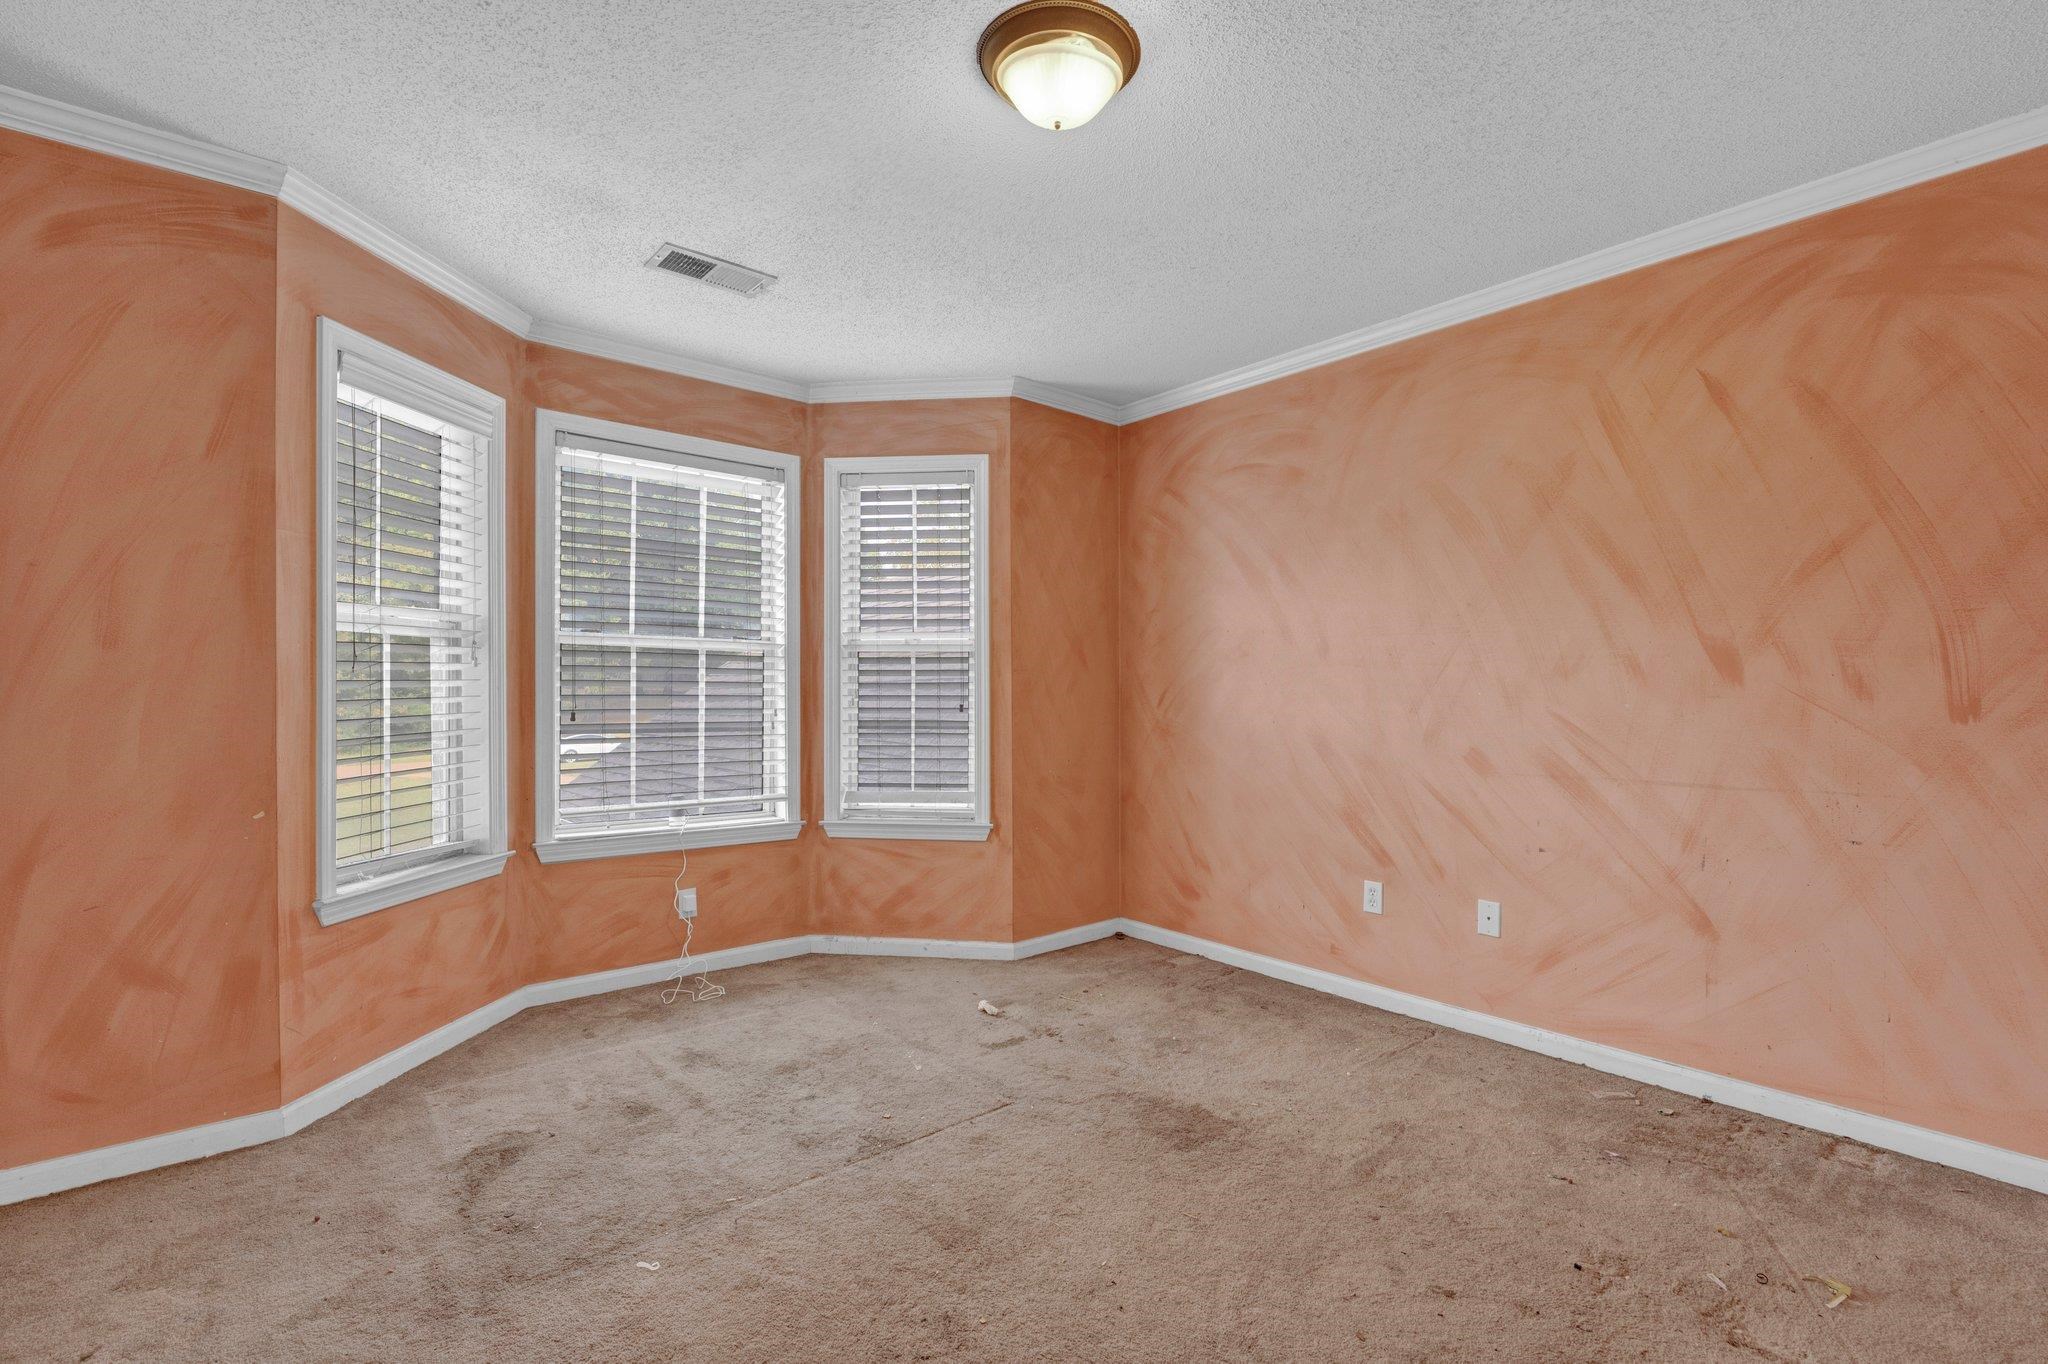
point(704, 988)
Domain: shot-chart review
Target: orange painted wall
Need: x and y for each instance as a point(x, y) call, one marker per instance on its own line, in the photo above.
point(138, 952)
point(1700, 616)
point(1063, 617)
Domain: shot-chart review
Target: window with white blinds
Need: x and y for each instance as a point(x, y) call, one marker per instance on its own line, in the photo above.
point(667, 655)
point(411, 701)
point(907, 703)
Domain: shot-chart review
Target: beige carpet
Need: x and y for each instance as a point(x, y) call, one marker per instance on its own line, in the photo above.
point(1147, 1157)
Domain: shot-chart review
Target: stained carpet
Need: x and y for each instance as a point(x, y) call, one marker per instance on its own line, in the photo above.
point(1147, 1156)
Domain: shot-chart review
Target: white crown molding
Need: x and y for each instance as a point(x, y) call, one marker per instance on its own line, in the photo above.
point(921, 390)
point(1066, 400)
point(2023, 132)
point(68, 123)
point(346, 220)
point(61, 122)
point(668, 361)
point(173, 1148)
point(909, 390)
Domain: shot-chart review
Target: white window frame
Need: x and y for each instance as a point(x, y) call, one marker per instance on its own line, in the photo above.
point(414, 383)
point(971, 826)
point(550, 843)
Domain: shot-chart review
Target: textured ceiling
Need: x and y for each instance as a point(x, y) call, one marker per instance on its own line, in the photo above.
point(1279, 172)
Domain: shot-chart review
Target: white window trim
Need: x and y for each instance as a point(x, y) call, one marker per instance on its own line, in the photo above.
point(548, 845)
point(838, 823)
point(419, 384)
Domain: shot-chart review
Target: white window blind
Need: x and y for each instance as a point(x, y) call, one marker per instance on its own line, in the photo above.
point(671, 652)
point(910, 648)
point(409, 686)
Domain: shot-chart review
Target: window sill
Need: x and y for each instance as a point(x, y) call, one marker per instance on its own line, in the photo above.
point(956, 831)
point(575, 849)
point(401, 887)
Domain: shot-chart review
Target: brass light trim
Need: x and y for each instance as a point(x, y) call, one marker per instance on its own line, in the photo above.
point(1032, 21)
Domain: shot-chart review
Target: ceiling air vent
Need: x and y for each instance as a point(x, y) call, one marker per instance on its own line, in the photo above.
point(724, 274)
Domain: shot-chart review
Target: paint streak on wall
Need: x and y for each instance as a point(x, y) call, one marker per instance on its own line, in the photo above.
point(138, 971)
point(1064, 678)
point(1699, 616)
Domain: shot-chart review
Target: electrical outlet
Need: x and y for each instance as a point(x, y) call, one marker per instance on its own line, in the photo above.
point(686, 903)
point(1372, 898)
point(1489, 918)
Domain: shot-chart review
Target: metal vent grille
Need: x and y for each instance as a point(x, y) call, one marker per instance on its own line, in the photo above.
point(683, 263)
point(722, 274)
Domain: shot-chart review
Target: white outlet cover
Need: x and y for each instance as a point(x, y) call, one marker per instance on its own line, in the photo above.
point(1373, 903)
point(1489, 918)
point(686, 903)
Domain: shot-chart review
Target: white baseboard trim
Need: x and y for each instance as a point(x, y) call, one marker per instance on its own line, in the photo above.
point(838, 945)
point(655, 972)
point(1993, 1162)
point(1065, 938)
point(24, 1182)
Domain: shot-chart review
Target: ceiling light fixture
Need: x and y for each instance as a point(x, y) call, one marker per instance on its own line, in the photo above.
point(1059, 61)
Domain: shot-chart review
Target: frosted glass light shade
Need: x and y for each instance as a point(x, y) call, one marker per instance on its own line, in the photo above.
point(1061, 81)
point(1057, 62)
